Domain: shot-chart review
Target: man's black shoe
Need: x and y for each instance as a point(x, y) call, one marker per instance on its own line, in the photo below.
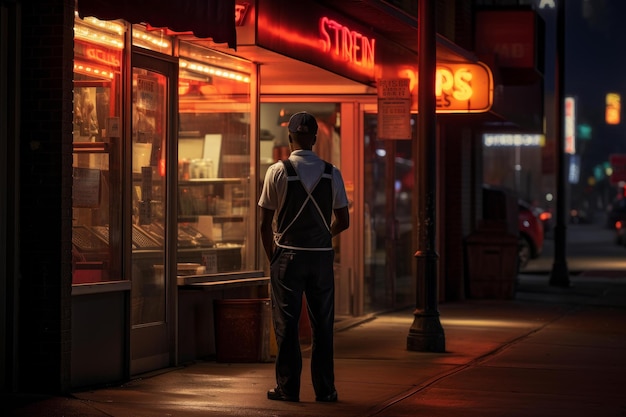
point(330, 398)
point(277, 394)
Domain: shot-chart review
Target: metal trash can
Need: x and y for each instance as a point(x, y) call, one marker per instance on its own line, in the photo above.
point(242, 330)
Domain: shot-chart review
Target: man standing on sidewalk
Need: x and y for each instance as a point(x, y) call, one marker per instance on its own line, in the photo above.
point(304, 191)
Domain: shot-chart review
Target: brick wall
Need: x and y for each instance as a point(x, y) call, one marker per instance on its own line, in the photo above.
point(45, 196)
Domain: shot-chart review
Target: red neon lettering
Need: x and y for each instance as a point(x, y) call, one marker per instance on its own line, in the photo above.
point(103, 57)
point(348, 45)
point(324, 34)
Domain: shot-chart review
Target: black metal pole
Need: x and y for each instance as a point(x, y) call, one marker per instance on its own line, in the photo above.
point(560, 273)
point(426, 333)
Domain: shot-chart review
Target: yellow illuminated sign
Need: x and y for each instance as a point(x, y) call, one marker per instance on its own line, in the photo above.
point(459, 87)
point(613, 109)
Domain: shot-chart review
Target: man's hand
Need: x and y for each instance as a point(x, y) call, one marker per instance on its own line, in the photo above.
point(267, 234)
point(341, 222)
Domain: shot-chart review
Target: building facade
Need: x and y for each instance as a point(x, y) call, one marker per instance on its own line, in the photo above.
point(135, 149)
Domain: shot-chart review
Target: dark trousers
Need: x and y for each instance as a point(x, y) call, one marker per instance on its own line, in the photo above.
point(292, 274)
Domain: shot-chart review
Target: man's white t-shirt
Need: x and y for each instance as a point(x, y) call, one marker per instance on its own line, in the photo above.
point(310, 168)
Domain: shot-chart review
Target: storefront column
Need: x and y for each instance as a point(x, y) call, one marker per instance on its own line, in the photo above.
point(44, 181)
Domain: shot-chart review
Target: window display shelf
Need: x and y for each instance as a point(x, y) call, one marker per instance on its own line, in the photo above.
point(205, 181)
point(212, 279)
point(216, 219)
point(91, 147)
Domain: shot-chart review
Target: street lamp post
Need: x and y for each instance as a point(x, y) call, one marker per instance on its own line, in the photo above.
point(560, 274)
point(426, 333)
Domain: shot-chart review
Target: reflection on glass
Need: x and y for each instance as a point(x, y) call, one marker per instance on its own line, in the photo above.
point(149, 192)
point(388, 198)
point(215, 173)
point(96, 254)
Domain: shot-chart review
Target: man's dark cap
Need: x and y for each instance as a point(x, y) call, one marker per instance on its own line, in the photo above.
point(303, 122)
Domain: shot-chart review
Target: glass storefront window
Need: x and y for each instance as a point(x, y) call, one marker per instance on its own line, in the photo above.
point(96, 159)
point(216, 175)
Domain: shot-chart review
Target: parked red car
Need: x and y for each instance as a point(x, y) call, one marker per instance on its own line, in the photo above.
point(531, 233)
point(616, 219)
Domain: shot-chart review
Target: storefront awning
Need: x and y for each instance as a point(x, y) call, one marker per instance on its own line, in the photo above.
point(205, 18)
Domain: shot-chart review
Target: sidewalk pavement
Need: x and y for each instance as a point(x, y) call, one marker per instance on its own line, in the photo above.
point(549, 352)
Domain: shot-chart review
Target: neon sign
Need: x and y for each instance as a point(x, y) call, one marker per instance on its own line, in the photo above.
point(513, 139)
point(459, 88)
point(346, 44)
point(455, 83)
point(103, 57)
point(613, 109)
point(241, 8)
point(570, 125)
point(466, 87)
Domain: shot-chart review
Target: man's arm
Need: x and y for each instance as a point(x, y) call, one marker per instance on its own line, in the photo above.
point(267, 234)
point(341, 222)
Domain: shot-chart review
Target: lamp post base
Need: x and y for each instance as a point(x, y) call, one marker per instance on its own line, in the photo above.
point(559, 276)
point(426, 334)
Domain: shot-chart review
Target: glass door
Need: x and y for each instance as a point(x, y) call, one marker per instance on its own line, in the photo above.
point(388, 200)
point(334, 142)
point(153, 288)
